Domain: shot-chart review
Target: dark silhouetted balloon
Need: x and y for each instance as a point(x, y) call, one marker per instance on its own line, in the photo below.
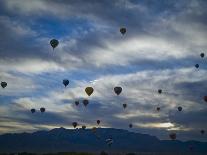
point(98, 122)
point(159, 91)
point(158, 108)
point(180, 108)
point(65, 82)
point(54, 43)
point(83, 127)
point(172, 136)
point(205, 98)
point(3, 84)
point(89, 90)
point(42, 110)
point(74, 124)
point(123, 30)
point(118, 90)
point(130, 125)
point(124, 105)
point(202, 132)
point(85, 102)
point(76, 103)
point(33, 110)
point(196, 65)
point(202, 55)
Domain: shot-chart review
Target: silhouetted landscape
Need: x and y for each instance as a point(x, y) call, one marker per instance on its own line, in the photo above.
point(84, 140)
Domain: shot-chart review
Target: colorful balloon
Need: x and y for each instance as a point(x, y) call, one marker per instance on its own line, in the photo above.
point(89, 90)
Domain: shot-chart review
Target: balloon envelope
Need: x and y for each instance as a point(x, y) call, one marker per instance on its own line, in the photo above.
point(159, 91)
point(3, 84)
point(42, 109)
point(89, 90)
point(85, 102)
point(65, 82)
point(33, 110)
point(124, 105)
point(130, 125)
point(202, 55)
point(196, 65)
point(118, 90)
point(98, 122)
point(74, 124)
point(123, 30)
point(76, 103)
point(54, 43)
point(172, 136)
point(180, 108)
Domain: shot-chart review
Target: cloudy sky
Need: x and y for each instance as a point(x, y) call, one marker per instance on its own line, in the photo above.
point(162, 44)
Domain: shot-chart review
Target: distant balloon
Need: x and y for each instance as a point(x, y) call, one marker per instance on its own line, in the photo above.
point(54, 43)
point(202, 132)
point(42, 110)
point(65, 82)
point(159, 91)
point(180, 108)
point(109, 141)
point(89, 90)
point(74, 124)
point(76, 103)
point(124, 105)
point(202, 55)
point(117, 90)
point(98, 122)
point(83, 127)
point(172, 136)
point(205, 98)
point(85, 102)
point(158, 108)
point(33, 110)
point(3, 84)
point(123, 30)
point(130, 125)
point(196, 65)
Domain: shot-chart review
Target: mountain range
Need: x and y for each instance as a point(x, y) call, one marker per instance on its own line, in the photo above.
point(84, 140)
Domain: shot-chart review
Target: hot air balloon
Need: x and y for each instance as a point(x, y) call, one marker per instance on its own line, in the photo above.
point(158, 108)
point(159, 91)
point(83, 127)
point(205, 98)
point(89, 90)
point(180, 108)
point(202, 55)
point(172, 136)
point(98, 122)
point(109, 141)
point(65, 82)
point(74, 124)
point(33, 110)
point(124, 105)
point(76, 103)
point(42, 110)
point(117, 90)
point(202, 132)
point(123, 30)
point(3, 84)
point(85, 102)
point(54, 43)
point(196, 65)
point(130, 125)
